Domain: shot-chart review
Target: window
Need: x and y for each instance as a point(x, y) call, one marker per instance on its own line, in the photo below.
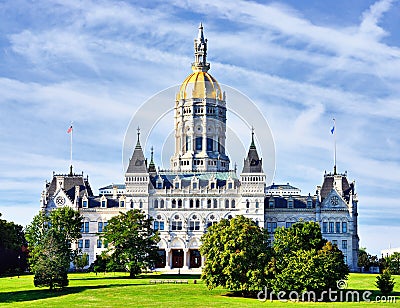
point(257, 204)
point(87, 243)
point(289, 224)
point(140, 204)
point(338, 227)
point(85, 227)
point(210, 144)
point(188, 143)
point(215, 203)
point(324, 227)
point(100, 226)
point(309, 204)
point(103, 203)
point(345, 259)
point(105, 244)
point(159, 185)
point(334, 242)
point(162, 204)
point(194, 185)
point(176, 225)
point(199, 143)
point(176, 185)
point(271, 226)
point(227, 204)
point(233, 204)
point(191, 203)
point(197, 204)
point(209, 203)
point(344, 227)
point(156, 204)
point(80, 243)
point(212, 185)
point(98, 243)
point(179, 204)
point(85, 203)
point(247, 204)
point(104, 225)
point(156, 225)
point(331, 226)
point(122, 203)
point(131, 204)
point(194, 225)
point(173, 203)
point(230, 186)
point(344, 245)
point(161, 225)
point(271, 203)
point(290, 203)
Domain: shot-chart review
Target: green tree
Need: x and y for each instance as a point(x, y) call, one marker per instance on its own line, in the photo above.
point(366, 260)
point(132, 241)
point(49, 238)
point(11, 241)
point(385, 282)
point(80, 261)
point(237, 255)
point(304, 261)
point(392, 263)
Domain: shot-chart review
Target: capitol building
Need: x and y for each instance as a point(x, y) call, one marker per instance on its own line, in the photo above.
point(201, 188)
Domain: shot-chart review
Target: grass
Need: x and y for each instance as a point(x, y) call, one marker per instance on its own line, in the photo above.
point(117, 290)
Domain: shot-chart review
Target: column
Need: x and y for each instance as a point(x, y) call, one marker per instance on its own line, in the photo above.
point(168, 261)
point(185, 258)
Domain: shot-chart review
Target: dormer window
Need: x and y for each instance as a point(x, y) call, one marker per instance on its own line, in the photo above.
point(309, 202)
point(122, 203)
point(85, 203)
point(271, 202)
point(290, 203)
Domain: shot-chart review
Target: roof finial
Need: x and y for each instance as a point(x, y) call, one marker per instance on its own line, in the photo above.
point(200, 52)
point(253, 145)
point(138, 138)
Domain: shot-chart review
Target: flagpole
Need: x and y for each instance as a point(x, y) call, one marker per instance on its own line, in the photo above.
point(72, 132)
point(334, 138)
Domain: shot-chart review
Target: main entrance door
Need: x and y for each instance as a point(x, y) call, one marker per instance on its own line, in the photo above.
point(195, 258)
point(177, 258)
point(160, 263)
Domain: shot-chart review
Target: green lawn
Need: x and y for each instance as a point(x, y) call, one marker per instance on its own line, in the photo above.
point(117, 290)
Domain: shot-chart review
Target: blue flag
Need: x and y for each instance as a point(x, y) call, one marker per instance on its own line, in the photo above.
point(333, 129)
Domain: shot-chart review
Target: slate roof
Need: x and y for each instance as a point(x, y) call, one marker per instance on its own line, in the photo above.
point(281, 202)
point(327, 186)
point(70, 181)
point(95, 202)
point(137, 163)
point(168, 178)
point(252, 163)
point(282, 186)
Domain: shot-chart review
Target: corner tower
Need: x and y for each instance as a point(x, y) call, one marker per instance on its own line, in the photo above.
point(200, 118)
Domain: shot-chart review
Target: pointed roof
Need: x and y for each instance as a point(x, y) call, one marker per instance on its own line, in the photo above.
point(137, 163)
point(252, 163)
point(152, 166)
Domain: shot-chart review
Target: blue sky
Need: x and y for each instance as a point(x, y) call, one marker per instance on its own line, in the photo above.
point(301, 62)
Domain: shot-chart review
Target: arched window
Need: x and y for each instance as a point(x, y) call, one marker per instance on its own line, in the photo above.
point(191, 203)
point(176, 223)
point(212, 219)
point(215, 203)
point(197, 203)
point(162, 204)
point(159, 223)
point(156, 204)
point(194, 223)
point(247, 204)
point(233, 204)
point(179, 203)
point(209, 203)
point(227, 204)
point(173, 203)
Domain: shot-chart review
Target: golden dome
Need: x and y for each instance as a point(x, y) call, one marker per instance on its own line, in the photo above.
point(199, 84)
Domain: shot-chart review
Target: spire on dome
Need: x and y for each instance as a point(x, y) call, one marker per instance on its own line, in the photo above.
point(200, 52)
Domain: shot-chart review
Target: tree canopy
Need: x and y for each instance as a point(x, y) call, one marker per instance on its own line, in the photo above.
point(11, 241)
point(49, 237)
point(236, 255)
point(304, 261)
point(132, 241)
